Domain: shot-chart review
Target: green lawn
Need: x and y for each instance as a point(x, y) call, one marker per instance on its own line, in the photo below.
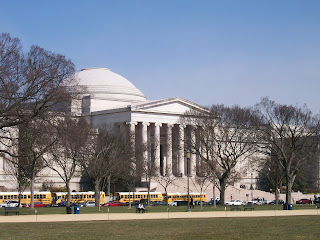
point(295, 227)
point(62, 210)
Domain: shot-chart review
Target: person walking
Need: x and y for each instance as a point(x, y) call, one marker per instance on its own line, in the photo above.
point(191, 202)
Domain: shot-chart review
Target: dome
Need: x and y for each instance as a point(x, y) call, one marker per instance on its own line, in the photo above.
point(106, 89)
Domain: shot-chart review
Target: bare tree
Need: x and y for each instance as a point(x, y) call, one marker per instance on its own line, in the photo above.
point(104, 158)
point(31, 84)
point(226, 139)
point(72, 139)
point(15, 171)
point(287, 133)
point(35, 140)
point(271, 170)
point(166, 181)
point(150, 169)
point(202, 180)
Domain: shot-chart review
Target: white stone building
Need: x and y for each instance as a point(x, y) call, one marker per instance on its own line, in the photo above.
point(109, 99)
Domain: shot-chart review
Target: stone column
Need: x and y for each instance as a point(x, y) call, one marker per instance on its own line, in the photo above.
point(193, 156)
point(132, 135)
point(203, 152)
point(157, 148)
point(144, 137)
point(181, 151)
point(168, 165)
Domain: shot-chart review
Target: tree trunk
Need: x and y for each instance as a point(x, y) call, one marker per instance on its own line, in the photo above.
point(277, 195)
point(166, 196)
point(109, 185)
point(129, 199)
point(97, 192)
point(69, 193)
point(223, 184)
point(289, 184)
point(214, 195)
point(148, 196)
point(32, 193)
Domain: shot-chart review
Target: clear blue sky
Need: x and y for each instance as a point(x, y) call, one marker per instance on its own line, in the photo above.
point(227, 51)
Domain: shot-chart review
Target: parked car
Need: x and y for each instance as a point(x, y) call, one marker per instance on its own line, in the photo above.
point(114, 204)
point(64, 204)
point(39, 204)
point(159, 203)
point(134, 203)
point(199, 202)
point(211, 202)
point(10, 204)
point(234, 202)
point(258, 201)
point(82, 204)
point(174, 203)
point(281, 202)
point(90, 204)
point(304, 201)
point(316, 200)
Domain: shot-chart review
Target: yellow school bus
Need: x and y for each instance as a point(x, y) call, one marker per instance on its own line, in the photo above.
point(184, 197)
point(76, 197)
point(126, 197)
point(25, 197)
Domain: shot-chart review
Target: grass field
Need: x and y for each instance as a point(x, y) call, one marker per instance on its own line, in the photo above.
point(62, 210)
point(295, 227)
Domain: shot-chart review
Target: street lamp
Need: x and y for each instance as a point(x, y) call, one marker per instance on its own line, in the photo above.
point(188, 175)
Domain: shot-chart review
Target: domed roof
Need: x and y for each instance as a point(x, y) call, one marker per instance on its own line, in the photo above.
point(107, 89)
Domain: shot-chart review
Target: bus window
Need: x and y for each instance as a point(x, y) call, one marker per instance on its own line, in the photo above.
point(1, 197)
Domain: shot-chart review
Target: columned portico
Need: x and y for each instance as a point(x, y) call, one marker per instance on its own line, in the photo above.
point(146, 138)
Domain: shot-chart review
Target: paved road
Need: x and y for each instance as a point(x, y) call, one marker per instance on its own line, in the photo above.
point(137, 216)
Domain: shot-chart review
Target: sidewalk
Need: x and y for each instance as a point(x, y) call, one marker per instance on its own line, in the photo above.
point(140, 216)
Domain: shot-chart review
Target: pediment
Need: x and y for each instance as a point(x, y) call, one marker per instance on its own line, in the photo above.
point(170, 105)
